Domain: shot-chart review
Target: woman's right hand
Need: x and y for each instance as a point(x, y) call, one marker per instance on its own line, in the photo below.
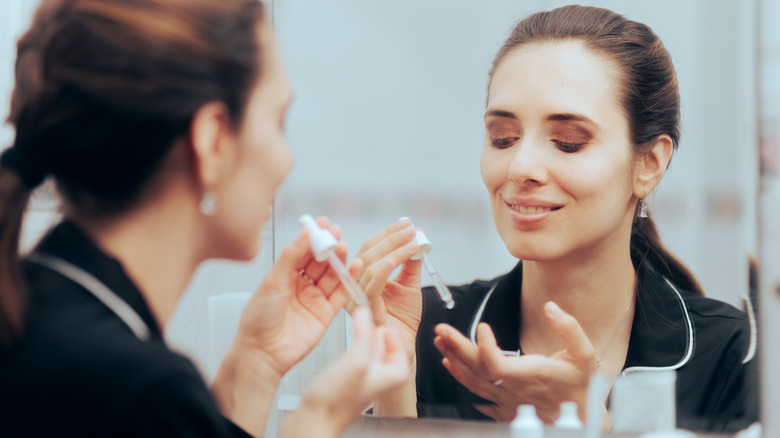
point(396, 302)
point(374, 365)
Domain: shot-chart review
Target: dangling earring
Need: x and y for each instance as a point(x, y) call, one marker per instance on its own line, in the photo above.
point(208, 203)
point(642, 206)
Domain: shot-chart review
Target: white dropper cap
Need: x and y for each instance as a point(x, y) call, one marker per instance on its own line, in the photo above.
point(423, 243)
point(569, 418)
point(322, 241)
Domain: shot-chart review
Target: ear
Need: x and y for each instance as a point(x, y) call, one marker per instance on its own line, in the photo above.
point(651, 167)
point(209, 133)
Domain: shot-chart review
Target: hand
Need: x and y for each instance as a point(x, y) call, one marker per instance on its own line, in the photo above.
point(396, 302)
point(545, 382)
point(375, 364)
point(294, 305)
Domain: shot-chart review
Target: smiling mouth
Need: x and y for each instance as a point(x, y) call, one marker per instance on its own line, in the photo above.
point(532, 210)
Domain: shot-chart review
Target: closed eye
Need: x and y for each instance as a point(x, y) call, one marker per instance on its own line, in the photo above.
point(568, 147)
point(503, 143)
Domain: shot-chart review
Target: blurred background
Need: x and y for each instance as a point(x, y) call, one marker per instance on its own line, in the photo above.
point(387, 122)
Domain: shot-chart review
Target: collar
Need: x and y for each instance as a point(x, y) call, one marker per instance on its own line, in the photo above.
point(662, 334)
point(69, 243)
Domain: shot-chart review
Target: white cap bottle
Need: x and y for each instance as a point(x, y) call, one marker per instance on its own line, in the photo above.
point(526, 424)
point(569, 418)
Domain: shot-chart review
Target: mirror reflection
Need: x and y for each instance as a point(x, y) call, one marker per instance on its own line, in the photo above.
point(409, 84)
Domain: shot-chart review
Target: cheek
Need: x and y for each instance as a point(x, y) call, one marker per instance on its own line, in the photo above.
point(604, 179)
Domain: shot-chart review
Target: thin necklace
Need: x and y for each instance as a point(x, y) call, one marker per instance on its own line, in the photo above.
point(609, 344)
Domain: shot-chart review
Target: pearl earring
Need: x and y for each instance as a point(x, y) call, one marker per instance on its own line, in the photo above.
point(208, 203)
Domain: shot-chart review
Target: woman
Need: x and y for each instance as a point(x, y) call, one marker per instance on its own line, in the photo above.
point(582, 118)
point(161, 123)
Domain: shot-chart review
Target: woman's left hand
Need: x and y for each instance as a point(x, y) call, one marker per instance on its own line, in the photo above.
point(508, 382)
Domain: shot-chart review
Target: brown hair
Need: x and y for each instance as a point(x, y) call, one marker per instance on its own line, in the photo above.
point(650, 96)
point(103, 89)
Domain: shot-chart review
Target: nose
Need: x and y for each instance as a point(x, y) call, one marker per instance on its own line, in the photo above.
point(528, 165)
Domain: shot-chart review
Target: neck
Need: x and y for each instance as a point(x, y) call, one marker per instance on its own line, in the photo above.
point(595, 288)
point(155, 245)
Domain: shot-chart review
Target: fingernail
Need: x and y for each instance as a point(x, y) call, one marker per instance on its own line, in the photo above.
point(553, 309)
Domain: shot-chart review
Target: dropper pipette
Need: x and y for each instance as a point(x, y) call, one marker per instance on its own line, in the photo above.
point(323, 246)
point(358, 296)
point(425, 247)
point(438, 283)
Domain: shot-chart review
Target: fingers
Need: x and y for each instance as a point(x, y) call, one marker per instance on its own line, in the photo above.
point(457, 343)
point(578, 346)
point(390, 242)
point(382, 235)
point(462, 358)
point(313, 270)
point(491, 354)
point(362, 332)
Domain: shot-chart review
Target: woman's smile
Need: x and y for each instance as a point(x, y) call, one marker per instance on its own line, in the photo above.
point(527, 212)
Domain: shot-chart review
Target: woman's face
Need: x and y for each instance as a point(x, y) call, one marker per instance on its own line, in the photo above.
point(556, 159)
point(262, 159)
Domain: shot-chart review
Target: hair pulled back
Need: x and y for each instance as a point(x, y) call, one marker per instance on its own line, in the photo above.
point(649, 95)
point(104, 88)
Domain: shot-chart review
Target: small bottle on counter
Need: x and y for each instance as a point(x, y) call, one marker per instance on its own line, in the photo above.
point(526, 424)
point(569, 418)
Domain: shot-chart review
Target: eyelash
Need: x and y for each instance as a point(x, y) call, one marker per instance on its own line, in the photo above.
point(568, 147)
point(503, 143)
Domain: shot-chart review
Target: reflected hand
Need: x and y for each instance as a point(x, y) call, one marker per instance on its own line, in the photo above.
point(396, 302)
point(545, 382)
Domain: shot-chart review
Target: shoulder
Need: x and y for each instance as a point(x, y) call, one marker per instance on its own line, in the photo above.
point(717, 323)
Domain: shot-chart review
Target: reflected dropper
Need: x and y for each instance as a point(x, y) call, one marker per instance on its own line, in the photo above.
point(425, 247)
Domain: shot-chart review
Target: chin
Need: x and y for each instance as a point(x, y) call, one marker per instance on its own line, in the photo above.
point(523, 249)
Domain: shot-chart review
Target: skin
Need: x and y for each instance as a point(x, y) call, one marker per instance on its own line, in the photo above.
point(165, 237)
point(563, 184)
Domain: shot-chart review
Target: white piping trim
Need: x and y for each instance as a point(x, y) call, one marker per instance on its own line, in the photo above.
point(753, 332)
point(96, 288)
point(689, 348)
point(478, 317)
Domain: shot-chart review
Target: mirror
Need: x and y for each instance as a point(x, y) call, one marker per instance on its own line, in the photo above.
point(387, 122)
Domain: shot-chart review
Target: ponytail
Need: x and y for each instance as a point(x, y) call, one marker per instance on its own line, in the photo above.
point(645, 240)
point(14, 196)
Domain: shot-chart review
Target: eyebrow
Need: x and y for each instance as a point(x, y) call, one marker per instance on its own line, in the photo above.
point(569, 118)
point(501, 113)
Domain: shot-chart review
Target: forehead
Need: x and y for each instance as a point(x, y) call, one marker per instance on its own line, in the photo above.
point(557, 77)
point(272, 69)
